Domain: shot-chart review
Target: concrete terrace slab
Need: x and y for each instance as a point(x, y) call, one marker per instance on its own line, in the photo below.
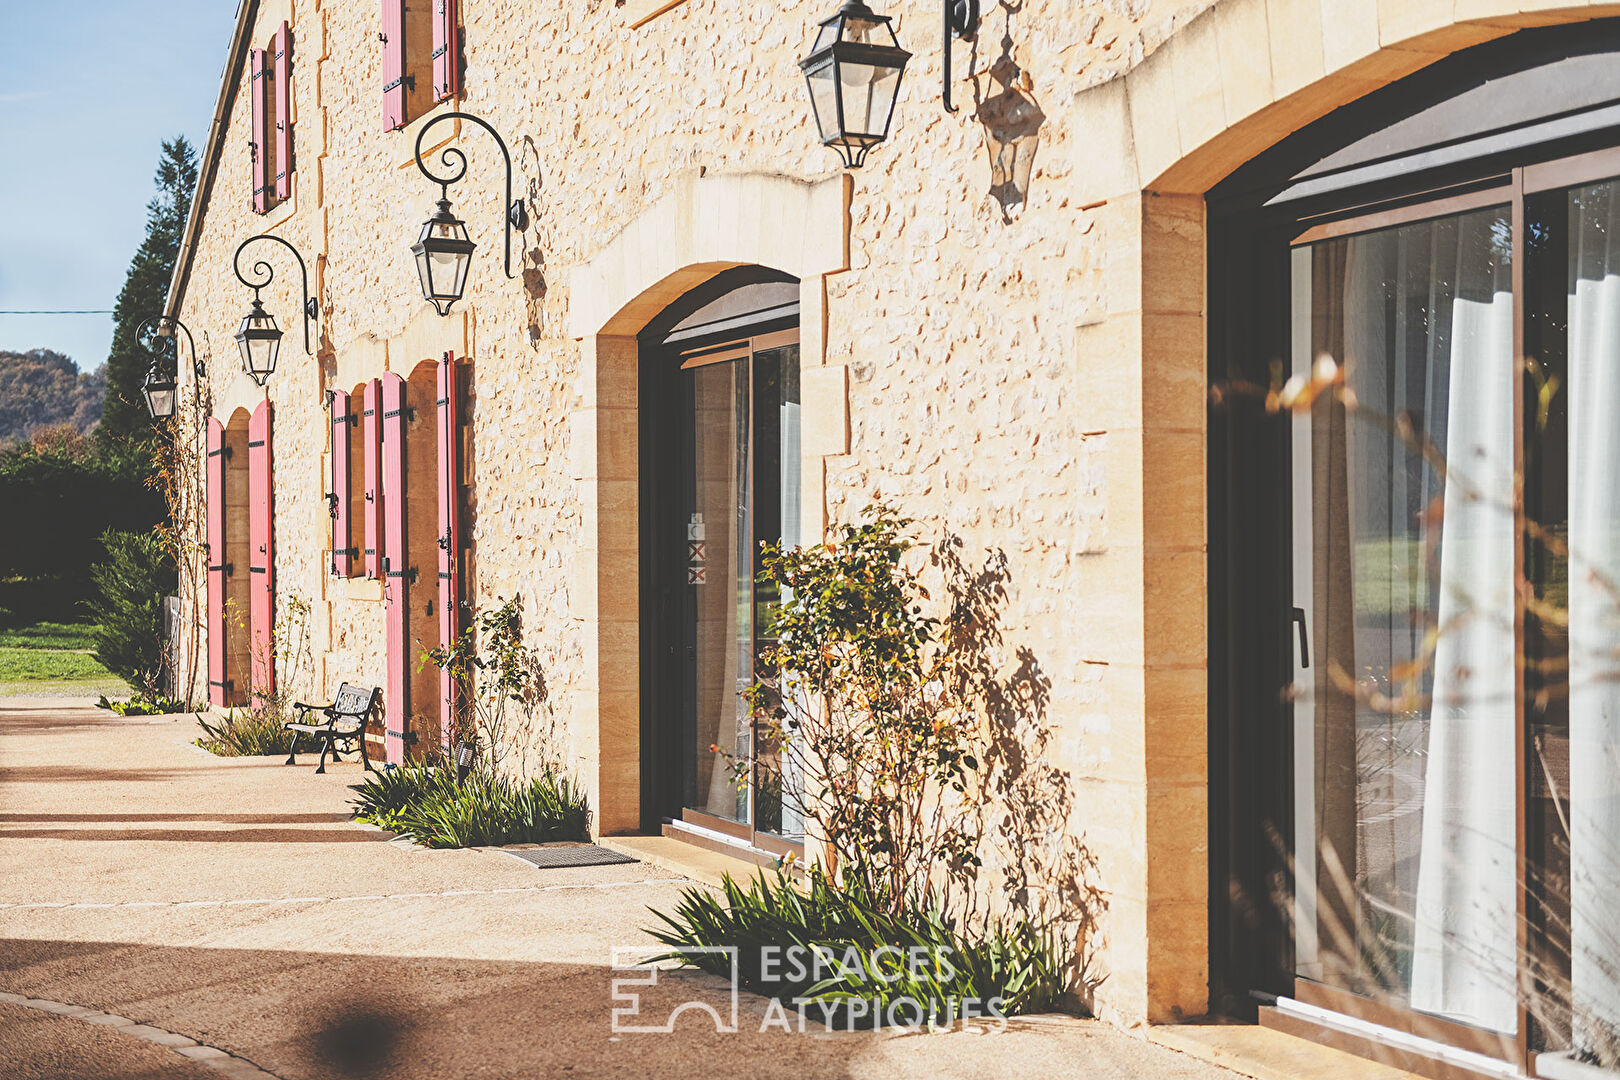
point(232, 901)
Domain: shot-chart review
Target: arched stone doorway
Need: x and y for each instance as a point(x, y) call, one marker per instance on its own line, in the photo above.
point(703, 228)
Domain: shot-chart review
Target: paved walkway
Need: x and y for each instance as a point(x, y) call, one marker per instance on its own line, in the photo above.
point(231, 907)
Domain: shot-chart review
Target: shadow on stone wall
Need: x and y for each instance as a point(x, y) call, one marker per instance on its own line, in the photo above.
point(1037, 866)
point(1012, 120)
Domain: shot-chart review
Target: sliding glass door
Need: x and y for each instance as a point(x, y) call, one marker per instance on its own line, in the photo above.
point(1404, 541)
point(1456, 606)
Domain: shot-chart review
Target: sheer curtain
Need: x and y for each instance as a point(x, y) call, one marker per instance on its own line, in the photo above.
point(1594, 613)
point(1463, 963)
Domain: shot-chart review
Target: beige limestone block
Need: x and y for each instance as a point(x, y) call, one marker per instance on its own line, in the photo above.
point(825, 392)
point(1243, 39)
point(1100, 119)
point(1200, 100)
point(1295, 28)
point(1155, 126)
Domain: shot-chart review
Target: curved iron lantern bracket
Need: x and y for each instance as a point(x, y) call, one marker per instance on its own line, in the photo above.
point(961, 20)
point(264, 270)
point(154, 326)
point(452, 158)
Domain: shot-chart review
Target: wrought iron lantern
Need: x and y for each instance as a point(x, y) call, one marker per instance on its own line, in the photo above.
point(443, 251)
point(160, 386)
point(159, 390)
point(258, 336)
point(853, 73)
point(443, 254)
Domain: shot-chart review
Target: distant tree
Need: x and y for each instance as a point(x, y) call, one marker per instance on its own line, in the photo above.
point(42, 388)
point(124, 418)
point(127, 606)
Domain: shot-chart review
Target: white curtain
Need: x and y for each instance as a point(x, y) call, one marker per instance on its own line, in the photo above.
point(1594, 613)
point(1464, 939)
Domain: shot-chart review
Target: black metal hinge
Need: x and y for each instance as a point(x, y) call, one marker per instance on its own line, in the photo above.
point(252, 444)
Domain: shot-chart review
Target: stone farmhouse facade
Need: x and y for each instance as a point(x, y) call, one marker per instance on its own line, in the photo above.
point(1044, 324)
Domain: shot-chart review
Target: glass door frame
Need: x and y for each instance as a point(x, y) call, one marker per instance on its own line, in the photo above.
point(745, 349)
point(1509, 188)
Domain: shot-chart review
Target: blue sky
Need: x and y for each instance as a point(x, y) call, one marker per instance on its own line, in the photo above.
point(88, 90)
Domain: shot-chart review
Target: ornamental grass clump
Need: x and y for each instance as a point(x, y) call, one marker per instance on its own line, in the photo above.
point(859, 962)
point(245, 734)
point(427, 803)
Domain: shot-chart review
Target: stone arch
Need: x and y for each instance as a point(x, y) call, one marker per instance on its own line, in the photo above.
point(1230, 83)
point(701, 227)
point(1244, 74)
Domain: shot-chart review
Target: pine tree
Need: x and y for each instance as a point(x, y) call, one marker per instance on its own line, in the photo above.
point(124, 420)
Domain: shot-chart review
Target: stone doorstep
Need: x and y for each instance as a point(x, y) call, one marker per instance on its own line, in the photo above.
point(679, 857)
point(1266, 1054)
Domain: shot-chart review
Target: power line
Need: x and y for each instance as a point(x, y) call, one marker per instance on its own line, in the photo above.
point(63, 311)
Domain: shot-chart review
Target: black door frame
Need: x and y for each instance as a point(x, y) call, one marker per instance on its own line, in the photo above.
point(663, 675)
point(1253, 217)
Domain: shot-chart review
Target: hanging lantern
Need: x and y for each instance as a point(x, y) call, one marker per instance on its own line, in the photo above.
point(260, 340)
point(159, 391)
point(853, 72)
point(443, 254)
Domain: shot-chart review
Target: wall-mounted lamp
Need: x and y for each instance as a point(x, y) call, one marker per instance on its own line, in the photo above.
point(853, 72)
point(258, 336)
point(444, 251)
point(159, 386)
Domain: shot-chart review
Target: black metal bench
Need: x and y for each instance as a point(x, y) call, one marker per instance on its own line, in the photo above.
point(345, 723)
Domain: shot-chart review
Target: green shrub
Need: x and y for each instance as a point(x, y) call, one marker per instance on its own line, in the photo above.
point(128, 605)
point(245, 734)
point(426, 803)
point(869, 954)
point(143, 705)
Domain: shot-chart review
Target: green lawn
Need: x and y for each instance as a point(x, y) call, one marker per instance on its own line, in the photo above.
point(47, 635)
point(52, 658)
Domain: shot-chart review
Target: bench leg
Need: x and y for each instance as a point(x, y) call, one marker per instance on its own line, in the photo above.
point(292, 758)
point(365, 758)
point(326, 746)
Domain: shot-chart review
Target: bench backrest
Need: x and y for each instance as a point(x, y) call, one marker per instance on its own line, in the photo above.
point(355, 701)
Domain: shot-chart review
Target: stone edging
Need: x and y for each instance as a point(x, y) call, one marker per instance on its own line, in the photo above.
point(223, 1061)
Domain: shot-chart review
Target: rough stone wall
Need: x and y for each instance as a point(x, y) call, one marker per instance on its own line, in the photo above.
point(971, 271)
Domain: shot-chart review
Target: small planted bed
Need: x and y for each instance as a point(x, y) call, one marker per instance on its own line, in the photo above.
point(833, 955)
point(427, 803)
point(245, 734)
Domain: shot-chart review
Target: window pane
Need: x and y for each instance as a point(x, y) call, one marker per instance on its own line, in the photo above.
point(1404, 549)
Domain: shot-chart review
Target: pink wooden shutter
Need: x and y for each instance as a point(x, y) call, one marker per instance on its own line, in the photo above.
point(371, 462)
point(393, 34)
point(449, 534)
point(342, 553)
point(396, 569)
point(261, 555)
point(283, 83)
point(446, 48)
point(214, 480)
point(261, 140)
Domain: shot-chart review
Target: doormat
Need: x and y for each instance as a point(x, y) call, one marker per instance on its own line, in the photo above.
point(551, 857)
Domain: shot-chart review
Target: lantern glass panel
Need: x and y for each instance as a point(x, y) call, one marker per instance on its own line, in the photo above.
point(159, 399)
point(868, 93)
point(824, 99)
point(868, 31)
